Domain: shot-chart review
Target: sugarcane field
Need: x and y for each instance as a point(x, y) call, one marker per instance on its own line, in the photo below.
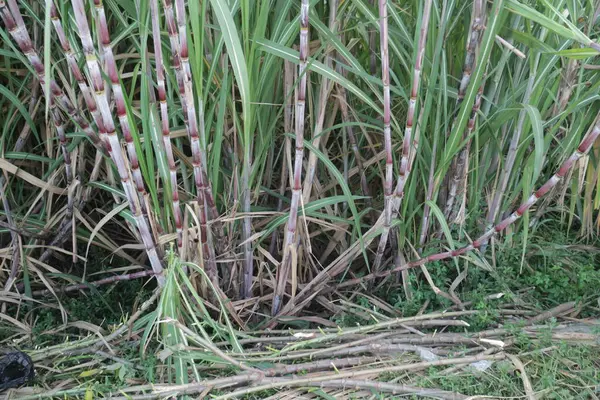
point(299, 199)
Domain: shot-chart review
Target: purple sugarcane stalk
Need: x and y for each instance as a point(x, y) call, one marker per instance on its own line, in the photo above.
point(288, 115)
point(393, 202)
point(112, 141)
point(16, 27)
point(113, 75)
point(474, 37)
point(290, 237)
point(187, 81)
point(583, 148)
point(179, 52)
point(311, 166)
point(387, 132)
point(72, 62)
point(85, 90)
point(460, 172)
point(164, 118)
point(15, 24)
point(414, 94)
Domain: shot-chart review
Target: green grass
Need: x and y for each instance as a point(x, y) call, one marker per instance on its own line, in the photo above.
point(558, 268)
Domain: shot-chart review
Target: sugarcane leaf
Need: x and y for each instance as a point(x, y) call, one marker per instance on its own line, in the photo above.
point(235, 53)
point(460, 122)
point(570, 32)
point(538, 136)
point(578, 54)
point(439, 215)
point(318, 67)
point(4, 91)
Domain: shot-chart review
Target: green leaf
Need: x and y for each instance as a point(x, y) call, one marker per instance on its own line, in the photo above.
point(578, 54)
point(439, 215)
point(531, 41)
point(235, 53)
point(527, 12)
point(465, 111)
point(320, 68)
point(308, 208)
point(343, 184)
point(538, 136)
point(19, 106)
point(219, 134)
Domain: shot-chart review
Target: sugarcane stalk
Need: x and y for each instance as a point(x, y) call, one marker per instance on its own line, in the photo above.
point(290, 237)
point(405, 163)
point(164, 119)
point(288, 115)
point(394, 201)
point(112, 141)
point(88, 96)
point(387, 131)
point(459, 169)
point(15, 24)
point(323, 97)
point(474, 37)
point(57, 120)
point(207, 189)
point(85, 90)
point(113, 75)
point(212, 212)
point(340, 264)
point(179, 52)
point(196, 134)
point(514, 143)
point(13, 20)
point(584, 147)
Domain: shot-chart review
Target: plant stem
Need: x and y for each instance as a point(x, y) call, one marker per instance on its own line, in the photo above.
point(164, 118)
point(583, 148)
point(179, 52)
point(290, 237)
point(392, 205)
point(112, 141)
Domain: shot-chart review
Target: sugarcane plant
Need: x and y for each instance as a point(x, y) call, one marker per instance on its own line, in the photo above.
point(394, 199)
point(202, 111)
point(290, 242)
